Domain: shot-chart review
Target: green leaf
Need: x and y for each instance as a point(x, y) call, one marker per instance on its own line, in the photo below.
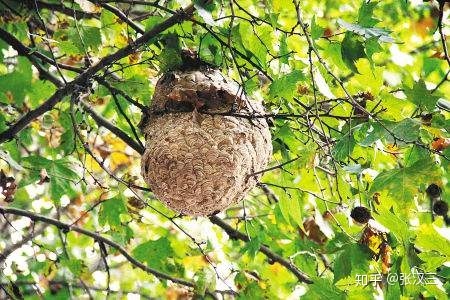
point(429, 239)
point(296, 208)
point(394, 223)
point(40, 91)
point(2, 123)
point(414, 154)
point(68, 47)
point(59, 168)
point(92, 37)
point(403, 183)
point(382, 35)
point(339, 241)
point(169, 60)
point(353, 259)
point(421, 96)
point(107, 18)
point(283, 53)
point(365, 14)
point(352, 49)
point(285, 205)
point(205, 280)
point(5, 156)
point(285, 86)
point(372, 46)
point(406, 131)
point(58, 188)
point(253, 44)
point(68, 137)
point(76, 266)
point(85, 38)
point(60, 171)
point(432, 260)
point(291, 203)
point(344, 147)
point(154, 253)
point(151, 21)
point(209, 50)
point(15, 85)
point(323, 289)
point(18, 28)
point(138, 86)
point(252, 291)
point(3, 45)
point(316, 30)
point(200, 283)
point(79, 39)
point(110, 211)
point(252, 247)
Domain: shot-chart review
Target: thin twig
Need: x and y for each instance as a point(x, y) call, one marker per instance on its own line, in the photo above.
point(84, 77)
point(97, 237)
point(237, 235)
point(10, 249)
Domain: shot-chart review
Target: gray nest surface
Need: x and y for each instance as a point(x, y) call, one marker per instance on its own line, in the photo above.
point(199, 158)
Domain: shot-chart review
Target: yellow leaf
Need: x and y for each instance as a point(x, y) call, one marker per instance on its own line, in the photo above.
point(118, 159)
point(195, 262)
point(114, 143)
point(371, 80)
point(374, 243)
point(92, 165)
point(276, 269)
point(262, 285)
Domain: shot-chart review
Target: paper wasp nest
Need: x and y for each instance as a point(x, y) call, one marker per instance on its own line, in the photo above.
point(197, 159)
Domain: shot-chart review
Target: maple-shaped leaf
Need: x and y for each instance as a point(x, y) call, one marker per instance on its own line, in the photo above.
point(421, 96)
point(353, 258)
point(352, 49)
point(395, 224)
point(323, 288)
point(383, 35)
point(60, 171)
point(111, 210)
point(430, 239)
point(404, 183)
point(372, 46)
point(316, 30)
point(154, 253)
point(285, 85)
point(365, 14)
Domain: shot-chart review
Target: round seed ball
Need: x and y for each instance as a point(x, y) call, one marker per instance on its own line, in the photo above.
point(361, 214)
point(440, 208)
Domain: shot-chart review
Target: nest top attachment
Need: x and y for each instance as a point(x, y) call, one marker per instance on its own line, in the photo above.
point(204, 90)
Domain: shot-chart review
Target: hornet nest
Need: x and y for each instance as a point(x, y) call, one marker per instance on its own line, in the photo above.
point(199, 156)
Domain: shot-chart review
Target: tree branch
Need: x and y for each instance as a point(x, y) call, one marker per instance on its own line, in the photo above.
point(111, 127)
point(9, 133)
point(83, 78)
point(237, 235)
point(139, 2)
point(10, 249)
point(58, 283)
point(441, 31)
point(28, 52)
point(120, 15)
point(98, 238)
point(97, 118)
point(62, 9)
